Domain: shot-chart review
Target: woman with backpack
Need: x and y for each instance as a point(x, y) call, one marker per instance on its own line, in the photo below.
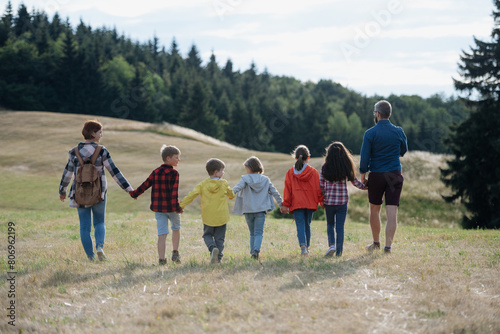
point(88, 191)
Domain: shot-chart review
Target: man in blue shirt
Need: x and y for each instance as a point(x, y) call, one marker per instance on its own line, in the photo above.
point(382, 147)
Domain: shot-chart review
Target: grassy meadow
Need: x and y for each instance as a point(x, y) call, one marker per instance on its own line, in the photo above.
point(439, 278)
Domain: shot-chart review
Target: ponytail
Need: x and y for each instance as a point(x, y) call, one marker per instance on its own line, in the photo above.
point(301, 153)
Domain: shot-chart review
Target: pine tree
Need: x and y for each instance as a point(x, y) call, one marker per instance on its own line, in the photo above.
point(22, 23)
point(193, 60)
point(212, 68)
point(197, 113)
point(228, 70)
point(6, 24)
point(474, 173)
point(56, 27)
point(41, 36)
point(68, 78)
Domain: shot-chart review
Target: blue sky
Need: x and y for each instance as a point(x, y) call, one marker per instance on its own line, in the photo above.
point(371, 46)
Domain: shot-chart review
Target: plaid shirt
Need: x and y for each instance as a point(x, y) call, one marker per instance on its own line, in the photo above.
point(164, 195)
point(336, 192)
point(103, 160)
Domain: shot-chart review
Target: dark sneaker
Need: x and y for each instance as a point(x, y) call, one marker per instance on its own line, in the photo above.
point(387, 250)
point(304, 251)
point(100, 254)
point(162, 262)
point(214, 256)
point(176, 256)
point(371, 247)
point(255, 255)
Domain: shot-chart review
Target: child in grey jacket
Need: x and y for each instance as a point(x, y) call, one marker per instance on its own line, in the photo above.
point(254, 198)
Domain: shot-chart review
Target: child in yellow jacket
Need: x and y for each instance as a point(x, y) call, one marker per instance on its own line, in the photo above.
point(214, 207)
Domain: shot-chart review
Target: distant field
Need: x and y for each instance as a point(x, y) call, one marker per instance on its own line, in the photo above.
point(37, 146)
point(439, 279)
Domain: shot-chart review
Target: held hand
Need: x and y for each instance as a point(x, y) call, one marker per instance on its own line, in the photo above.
point(62, 197)
point(363, 179)
point(130, 193)
point(180, 211)
point(285, 210)
point(322, 205)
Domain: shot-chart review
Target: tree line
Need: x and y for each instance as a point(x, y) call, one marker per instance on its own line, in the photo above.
point(46, 64)
point(473, 173)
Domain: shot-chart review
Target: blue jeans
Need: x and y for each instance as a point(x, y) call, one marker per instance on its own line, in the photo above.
point(255, 222)
point(303, 219)
point(335, 219)
point(97, 211)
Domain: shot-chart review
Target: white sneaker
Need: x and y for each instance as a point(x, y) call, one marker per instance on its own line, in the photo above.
point(214, 256)
point(330, 252)
point(101, 255)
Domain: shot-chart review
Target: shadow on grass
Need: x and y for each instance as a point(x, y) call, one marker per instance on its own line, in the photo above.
point(298, 272)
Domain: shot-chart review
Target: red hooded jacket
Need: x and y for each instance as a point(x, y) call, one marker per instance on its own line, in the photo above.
point(302, 191)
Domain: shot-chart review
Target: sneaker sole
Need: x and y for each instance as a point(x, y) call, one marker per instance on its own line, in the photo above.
point(176, 258)
point(101, 256)
point(214, 257)
point(371, 248)
point(330, 253)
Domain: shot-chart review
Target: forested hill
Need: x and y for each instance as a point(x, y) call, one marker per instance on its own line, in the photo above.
point(46, 64)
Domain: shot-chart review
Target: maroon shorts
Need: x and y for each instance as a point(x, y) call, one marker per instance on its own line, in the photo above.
point(388, 183)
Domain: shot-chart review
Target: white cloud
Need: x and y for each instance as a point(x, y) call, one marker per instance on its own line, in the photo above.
point(430, 4)
point(277, 8)
point(478, 28)
point(120, 8)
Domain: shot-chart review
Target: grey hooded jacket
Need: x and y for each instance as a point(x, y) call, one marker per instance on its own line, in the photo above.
point(254, 193)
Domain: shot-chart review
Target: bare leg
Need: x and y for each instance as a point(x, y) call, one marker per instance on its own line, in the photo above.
point(392, 224)
point(375, 221)
point(161, 246)
point(176, 237)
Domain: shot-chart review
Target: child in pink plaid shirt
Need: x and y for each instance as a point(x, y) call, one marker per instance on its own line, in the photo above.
point(337, 169)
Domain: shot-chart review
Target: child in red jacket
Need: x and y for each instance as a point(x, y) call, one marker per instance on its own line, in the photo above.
point(302, 195)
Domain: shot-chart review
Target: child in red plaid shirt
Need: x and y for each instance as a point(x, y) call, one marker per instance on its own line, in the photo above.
point(165, 201)
point(338, 168)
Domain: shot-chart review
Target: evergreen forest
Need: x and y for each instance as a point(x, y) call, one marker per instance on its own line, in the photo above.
point(48, 65)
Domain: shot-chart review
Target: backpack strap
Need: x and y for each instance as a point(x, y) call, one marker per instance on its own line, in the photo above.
point(92, 159)
point(78, 156)
point(96, 154)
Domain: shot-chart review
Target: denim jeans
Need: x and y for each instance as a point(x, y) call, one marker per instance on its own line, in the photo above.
point(255, 222)
point(98, 212)
point(335, 219)
point(303, 219)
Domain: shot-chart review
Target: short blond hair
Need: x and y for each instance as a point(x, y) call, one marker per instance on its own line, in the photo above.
point(168, 151)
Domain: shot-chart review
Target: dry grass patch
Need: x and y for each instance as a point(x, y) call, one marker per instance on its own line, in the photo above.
point(435, 281)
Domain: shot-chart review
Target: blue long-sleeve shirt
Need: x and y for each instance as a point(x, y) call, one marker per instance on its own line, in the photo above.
point(382, 146)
